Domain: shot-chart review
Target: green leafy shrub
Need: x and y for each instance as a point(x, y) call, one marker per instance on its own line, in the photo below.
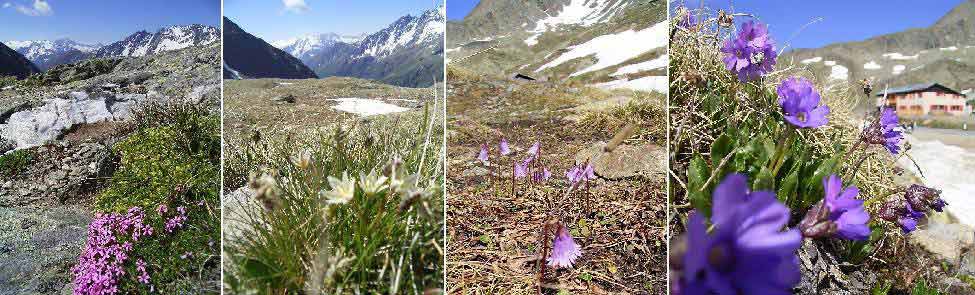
point(16, 161)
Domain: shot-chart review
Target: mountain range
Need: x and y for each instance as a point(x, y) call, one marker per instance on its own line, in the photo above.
point(607, 43)
point(408, 52)
point(943, 52)
point(46, 54)
point(247, 56)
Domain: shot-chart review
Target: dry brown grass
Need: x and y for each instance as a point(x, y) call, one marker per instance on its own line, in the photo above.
point(493, 236)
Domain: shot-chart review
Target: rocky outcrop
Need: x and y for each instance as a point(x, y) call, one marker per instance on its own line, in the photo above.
point(822, 273)
point(625, 160)
point(60, 173)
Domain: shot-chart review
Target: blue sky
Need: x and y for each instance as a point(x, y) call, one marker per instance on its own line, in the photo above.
point(841, 21)
point(99, 21)
point(458, 9)
point(273, 20)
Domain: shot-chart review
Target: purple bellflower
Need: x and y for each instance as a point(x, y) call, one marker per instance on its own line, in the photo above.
point(839, 214)
point(752, 54)
point(883, 131)
point(800, 103)
point(483, 155)
point(747, 252)
point(565, 251)
point(505, 150)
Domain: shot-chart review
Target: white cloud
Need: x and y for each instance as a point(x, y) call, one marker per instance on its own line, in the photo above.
point(39, 8)
point(296, 6)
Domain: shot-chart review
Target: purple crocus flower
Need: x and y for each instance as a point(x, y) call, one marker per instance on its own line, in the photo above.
point(565, 251)
point(882, 131)
point(505, 150)
point(589, 173)
point(483, 155)
point(747, 252)
point(800, 103)
point(846, 210)
point(752, 54)
point(574, 174)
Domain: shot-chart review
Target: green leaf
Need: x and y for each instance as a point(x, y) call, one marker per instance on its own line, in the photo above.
point(813, 185)
point(720, 148)
point(585, 276)
point(787, 189)
point(764, 180)
point(697, 176)
point(256, 269)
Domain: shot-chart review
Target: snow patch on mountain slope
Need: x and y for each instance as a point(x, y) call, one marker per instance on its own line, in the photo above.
point(898, 56)
point(650, 83)
point(812, 60)
point(653, 64)
point(34, 49)
point(366, 106)
point(898, 69)
point(839, 72)
point(613, 49)
point(577, 12)
point(872, 65)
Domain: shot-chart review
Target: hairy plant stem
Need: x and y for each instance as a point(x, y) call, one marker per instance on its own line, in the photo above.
point(789, 137)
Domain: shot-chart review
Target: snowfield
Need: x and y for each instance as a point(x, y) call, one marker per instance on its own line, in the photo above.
point(950, 169)
point(812, 60)
point(366, 106)
point(839, 72)
point(653, 64)
point(651, 83)
point(898, 56)
point(898, 69)
point(577, 12)
point(614, 49)
point(872, 65)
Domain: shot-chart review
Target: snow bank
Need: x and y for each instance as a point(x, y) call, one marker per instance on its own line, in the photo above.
point(951, 48)
point(950, 169)
point(830, 63)
point(365, 106)
point(872, 65)
point(614, 48)
point(898, 69)
point(653, 64)
point(898, 56)
point(839, 72)
point(812, 60)
point(651, 83)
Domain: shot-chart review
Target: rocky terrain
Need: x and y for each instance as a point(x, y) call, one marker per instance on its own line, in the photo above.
point(248, 56)
point(408, 52)
point(943, 52)
point(12, 63)
point(60, 128)
point(587, 42)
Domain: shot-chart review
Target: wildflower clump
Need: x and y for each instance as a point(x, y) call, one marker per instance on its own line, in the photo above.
point(770, 162)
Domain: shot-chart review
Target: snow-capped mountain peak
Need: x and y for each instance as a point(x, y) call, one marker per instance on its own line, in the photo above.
point(409, 31)
point(313, 42)
point(169, 38)
point(33, 49)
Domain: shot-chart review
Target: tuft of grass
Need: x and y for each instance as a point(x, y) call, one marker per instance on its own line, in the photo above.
point(15, 162)
point(375, 243)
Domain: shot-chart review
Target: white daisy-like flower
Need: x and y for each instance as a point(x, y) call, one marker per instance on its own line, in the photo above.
point(372, 183)
point(342, 190)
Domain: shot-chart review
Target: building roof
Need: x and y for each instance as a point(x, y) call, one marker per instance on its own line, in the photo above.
point(918, 88)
